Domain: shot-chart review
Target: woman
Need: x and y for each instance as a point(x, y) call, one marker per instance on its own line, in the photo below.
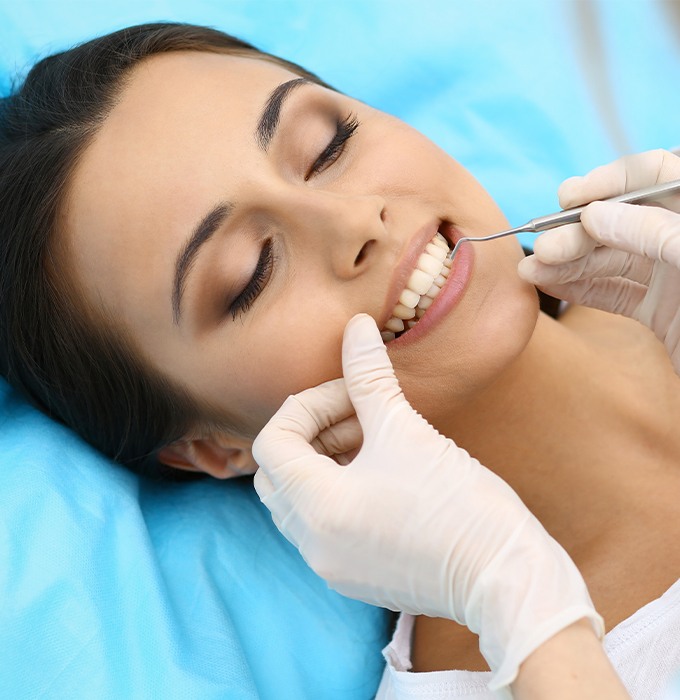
point(198, 257)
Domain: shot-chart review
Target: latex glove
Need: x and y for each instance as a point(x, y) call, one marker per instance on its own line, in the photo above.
point(622, 258)
point(413, 523)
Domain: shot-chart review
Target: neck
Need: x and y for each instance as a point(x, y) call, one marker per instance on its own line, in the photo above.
point(575, 426)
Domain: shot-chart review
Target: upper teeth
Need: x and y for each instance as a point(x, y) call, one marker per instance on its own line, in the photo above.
point(422, 287)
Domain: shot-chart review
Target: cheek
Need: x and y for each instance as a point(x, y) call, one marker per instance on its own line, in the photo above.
point(294, 354)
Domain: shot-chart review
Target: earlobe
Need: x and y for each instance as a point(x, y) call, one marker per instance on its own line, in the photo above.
point(221, 456)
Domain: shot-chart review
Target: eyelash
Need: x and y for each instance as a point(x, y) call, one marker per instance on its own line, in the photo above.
point(260, 277)
point(345, 129)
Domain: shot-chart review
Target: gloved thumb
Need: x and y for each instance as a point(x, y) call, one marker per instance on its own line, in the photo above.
point(369, 376)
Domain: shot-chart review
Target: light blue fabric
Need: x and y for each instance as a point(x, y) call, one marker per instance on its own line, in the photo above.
point(673, 690)
point(113, 587)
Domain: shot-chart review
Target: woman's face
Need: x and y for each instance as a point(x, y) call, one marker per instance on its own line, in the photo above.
point(234, 247)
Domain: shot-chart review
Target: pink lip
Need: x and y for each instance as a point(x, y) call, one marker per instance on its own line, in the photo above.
point(448, 297)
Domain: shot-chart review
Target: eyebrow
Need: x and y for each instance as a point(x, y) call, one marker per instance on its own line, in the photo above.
point(266, 127)
point(186, 257)
point(264, 133)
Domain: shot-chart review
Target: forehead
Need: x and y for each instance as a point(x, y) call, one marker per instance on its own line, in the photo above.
point(186, 80)
point(189, 95)
point(163, 156)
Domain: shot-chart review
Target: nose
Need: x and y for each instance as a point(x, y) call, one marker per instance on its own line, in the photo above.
point(344, 230)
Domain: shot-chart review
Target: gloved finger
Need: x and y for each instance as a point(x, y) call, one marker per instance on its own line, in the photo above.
point(623, 175)
point(340, 438)
point(562, 244)
point(285, 441)
point(659, 310)
point(263, 485)
point(602, 262)
point(347, 458)
point(538, 273)
point(369, 375)
point(650, 231)
point(269, 498)
point(267, 495)
point(613, 294)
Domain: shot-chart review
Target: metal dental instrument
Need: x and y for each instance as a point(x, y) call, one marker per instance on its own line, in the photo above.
point(571, 216)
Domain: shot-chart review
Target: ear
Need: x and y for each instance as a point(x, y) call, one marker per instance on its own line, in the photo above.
point(222, 456)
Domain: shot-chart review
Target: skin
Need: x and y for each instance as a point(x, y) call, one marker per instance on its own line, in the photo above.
point(569, 666)
point(577, 415)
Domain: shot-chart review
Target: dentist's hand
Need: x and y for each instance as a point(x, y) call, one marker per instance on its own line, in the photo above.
point(413, 522)
point(622, 258)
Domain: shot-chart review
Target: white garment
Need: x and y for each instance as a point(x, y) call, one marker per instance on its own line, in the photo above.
point(644, 649)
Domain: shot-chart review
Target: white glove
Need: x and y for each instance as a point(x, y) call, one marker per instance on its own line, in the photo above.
point(413, 523)
point(622, 258)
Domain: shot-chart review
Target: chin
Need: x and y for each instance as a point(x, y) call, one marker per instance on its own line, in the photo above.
point(474, 346)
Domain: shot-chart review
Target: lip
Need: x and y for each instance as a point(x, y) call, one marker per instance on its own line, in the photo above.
point(450, 293)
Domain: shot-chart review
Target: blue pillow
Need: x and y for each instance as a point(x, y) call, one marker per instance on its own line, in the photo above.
point(117, 587)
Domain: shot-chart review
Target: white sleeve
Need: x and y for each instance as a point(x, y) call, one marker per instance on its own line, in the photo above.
point(399, 684)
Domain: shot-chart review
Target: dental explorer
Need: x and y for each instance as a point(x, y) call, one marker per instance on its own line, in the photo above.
point(571, 216)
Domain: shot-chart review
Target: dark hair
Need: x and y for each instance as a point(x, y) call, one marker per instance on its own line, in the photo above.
point(67, 359)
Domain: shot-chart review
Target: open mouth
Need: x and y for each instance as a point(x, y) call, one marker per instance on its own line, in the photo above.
point(422, 288)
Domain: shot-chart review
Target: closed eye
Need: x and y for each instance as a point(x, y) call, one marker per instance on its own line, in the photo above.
point(261, 275)
point(345, 129)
